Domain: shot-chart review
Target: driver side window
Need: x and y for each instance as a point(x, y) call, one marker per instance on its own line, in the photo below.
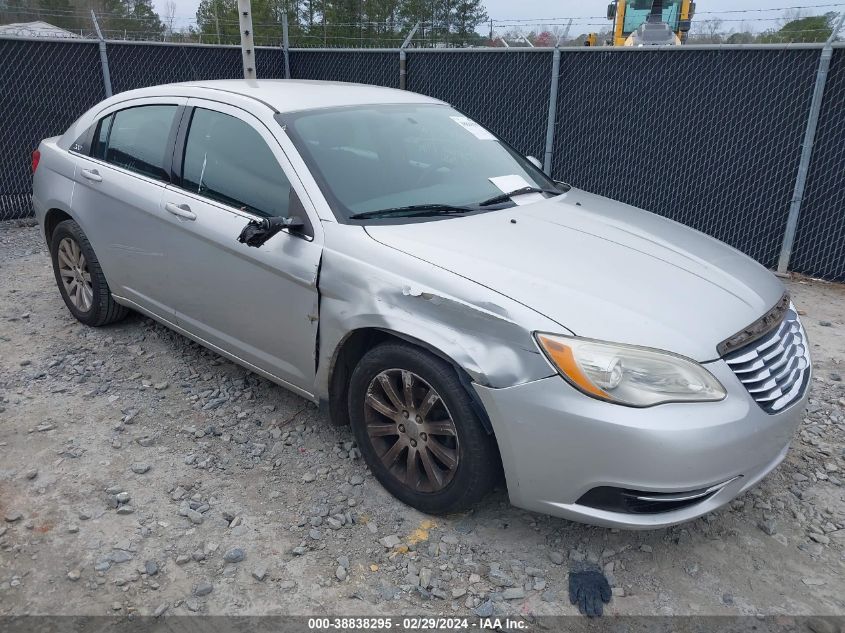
point(228, 161)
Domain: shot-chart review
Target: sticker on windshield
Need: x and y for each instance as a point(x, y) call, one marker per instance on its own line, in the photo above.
point(473, 128)
point(513, 183)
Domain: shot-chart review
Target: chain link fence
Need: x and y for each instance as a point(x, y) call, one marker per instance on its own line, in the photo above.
point(708, 136)
point(820, 240)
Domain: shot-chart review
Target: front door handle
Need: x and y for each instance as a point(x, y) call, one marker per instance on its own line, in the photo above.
point(91, 174)
point(180, 210)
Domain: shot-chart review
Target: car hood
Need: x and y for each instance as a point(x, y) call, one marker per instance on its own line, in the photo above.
point(601, 269)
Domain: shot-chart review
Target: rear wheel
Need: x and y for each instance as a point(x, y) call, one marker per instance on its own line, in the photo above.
point(80, 279)
point(417, 430)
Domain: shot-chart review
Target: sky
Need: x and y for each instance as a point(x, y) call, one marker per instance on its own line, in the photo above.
point(588, 15)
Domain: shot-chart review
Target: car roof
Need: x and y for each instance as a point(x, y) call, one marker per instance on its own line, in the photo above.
point(287, 95)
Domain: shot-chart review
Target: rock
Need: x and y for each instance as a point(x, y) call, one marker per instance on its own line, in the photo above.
point(820, 538)
point(12, 516)
point(74, 574)
point(425, 578)
point(125, 509)
point(203, 588)
point(151, 567)
point(822, 625)
point(459, 592)
point(813, 582)
point(768, 526)
point(556, 558)
point(576, 556)
point(160, 609)
point(234, 555)
point(195, 517)
point(618, 592)
point(31, 474)
point(391, 541)
point(139, 468)
point(340, 573)
point(120, 556)
point(648, 549)
point(160, 386)
point(484, 610)
point(356, 480)
point(309, 477)
point(513, 593)
point(123, 497)
point(259, 573)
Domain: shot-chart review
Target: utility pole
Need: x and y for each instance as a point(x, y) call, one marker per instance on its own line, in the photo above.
point(104, 59)
point(247, 40)
point(216, 21)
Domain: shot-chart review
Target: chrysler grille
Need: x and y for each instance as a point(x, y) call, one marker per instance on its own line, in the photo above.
point(775, 368)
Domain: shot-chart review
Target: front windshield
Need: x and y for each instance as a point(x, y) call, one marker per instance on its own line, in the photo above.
point(637, 11)
point(373, 157)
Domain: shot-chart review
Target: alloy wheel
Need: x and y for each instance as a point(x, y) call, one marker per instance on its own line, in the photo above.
point(76, 278)
point(411, 430)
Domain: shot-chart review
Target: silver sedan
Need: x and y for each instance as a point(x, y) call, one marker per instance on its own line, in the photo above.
point(387, 257)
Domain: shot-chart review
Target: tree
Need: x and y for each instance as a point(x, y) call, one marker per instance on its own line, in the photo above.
point(467, 15)
point(816, 28)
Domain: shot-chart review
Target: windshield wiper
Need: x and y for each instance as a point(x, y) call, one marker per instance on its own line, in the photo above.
point(413, 211)
point(517, 192)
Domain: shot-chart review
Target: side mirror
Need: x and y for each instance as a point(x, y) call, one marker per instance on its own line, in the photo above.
point(259, 231)
point(611, 11)
point(535, 161)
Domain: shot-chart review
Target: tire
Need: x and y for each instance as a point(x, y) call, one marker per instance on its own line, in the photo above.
point(477, 465)
point(96, 307)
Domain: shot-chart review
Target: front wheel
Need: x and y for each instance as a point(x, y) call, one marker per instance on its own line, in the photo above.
point(417, 430)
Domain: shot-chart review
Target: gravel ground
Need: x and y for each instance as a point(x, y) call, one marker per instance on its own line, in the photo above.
point(142, 474)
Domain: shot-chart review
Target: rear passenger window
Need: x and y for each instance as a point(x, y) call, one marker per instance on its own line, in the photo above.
point(137, 139)
point(228, 160)
point(101, 138)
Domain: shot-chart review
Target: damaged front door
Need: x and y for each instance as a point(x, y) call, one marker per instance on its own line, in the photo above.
point(259, 304)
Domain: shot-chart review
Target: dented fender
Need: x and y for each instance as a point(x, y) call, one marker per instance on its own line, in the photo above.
point(484, 333)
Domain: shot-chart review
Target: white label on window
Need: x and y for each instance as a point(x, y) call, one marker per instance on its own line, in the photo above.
point(473, 128)
point(514, 182)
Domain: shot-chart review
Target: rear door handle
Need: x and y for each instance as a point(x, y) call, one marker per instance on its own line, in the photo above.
point(180, 210)
point(91, 174)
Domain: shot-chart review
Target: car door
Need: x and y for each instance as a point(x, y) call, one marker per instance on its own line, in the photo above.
point(120, 177)
point(259, 304)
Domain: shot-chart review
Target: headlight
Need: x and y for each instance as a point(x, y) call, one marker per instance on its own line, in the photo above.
point(630, 375)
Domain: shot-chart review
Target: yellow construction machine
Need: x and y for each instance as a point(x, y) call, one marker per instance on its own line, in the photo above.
point(648, 22)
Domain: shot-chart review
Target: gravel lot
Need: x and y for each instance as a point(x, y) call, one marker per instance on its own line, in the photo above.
point(142, 474)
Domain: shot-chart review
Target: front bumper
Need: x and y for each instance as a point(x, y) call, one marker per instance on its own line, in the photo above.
point(557, 444)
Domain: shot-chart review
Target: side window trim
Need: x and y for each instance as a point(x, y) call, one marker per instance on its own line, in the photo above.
point(179, 144)
point(109, 114)
point(178, 158)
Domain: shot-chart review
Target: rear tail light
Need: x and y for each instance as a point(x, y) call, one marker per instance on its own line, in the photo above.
point(36, 158)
